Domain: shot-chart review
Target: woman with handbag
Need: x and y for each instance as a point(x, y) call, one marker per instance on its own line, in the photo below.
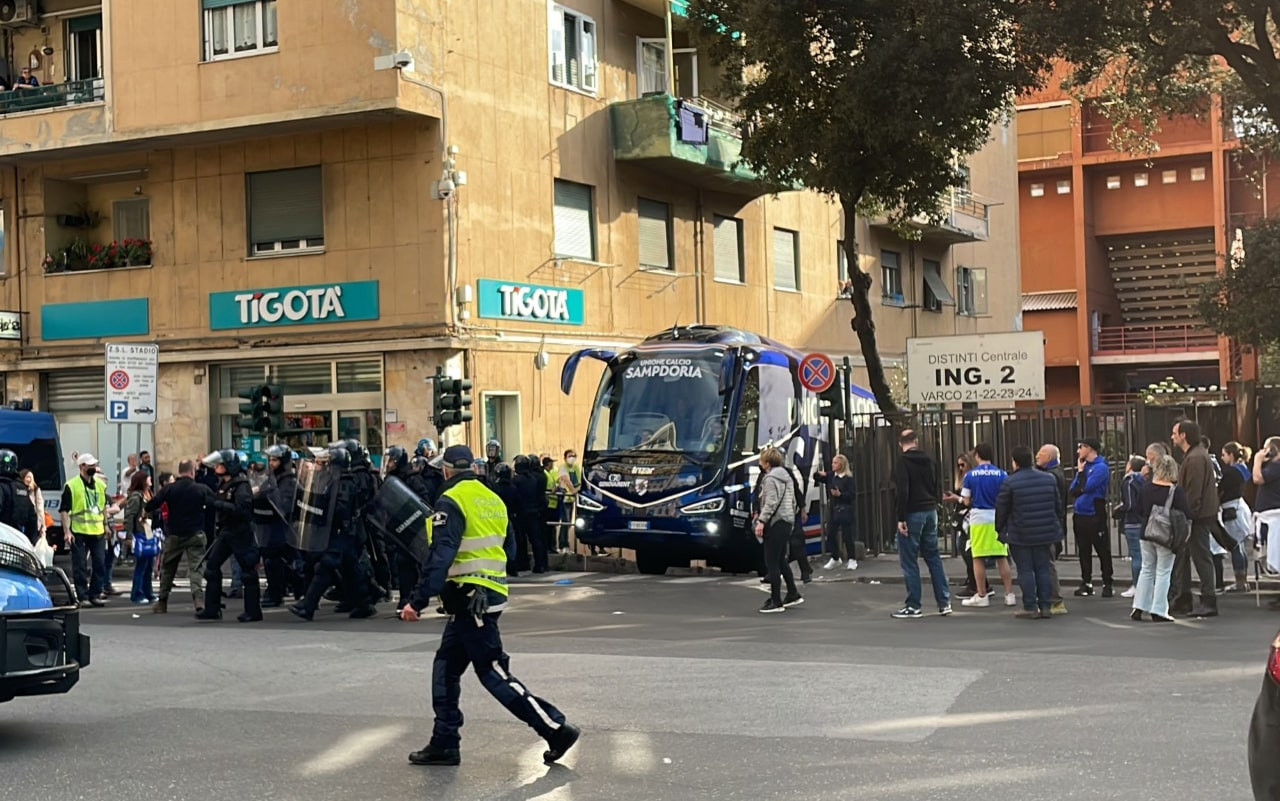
point(137, 525)
point(1237, 517)
point(1152, 596)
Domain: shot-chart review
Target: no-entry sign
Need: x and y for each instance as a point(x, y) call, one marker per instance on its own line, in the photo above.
point(817, 372)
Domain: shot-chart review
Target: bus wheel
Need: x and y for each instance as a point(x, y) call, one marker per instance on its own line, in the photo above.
point(651, 563)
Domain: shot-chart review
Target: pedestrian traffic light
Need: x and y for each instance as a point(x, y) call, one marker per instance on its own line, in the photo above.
point(452, 403)
point(273, 408)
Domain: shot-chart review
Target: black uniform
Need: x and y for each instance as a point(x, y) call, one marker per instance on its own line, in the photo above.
point(406, 567)
point(531, 496)
point(504, 487)
point(17, 510)
point(432, 480)
point(345, 545)
point(274, 497)
point(367, 484)
point(234, 510)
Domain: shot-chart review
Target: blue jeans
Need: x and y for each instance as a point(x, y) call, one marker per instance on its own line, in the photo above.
point(1033, 575)
point(921, 540)
point(1152, 594)
point(143, 566)
point(1133, 538)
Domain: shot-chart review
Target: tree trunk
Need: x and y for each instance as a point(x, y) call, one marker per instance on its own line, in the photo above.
point(862, 323)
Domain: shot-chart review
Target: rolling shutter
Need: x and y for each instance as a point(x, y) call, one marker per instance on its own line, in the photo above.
point(727, 244)
point(574, 229)
point(285, 205)
point(76, 391)
point(654, 234)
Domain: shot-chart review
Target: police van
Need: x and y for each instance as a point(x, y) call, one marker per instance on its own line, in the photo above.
point(34, 437)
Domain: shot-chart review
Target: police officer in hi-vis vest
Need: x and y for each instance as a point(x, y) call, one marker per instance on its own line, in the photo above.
point(467, 568)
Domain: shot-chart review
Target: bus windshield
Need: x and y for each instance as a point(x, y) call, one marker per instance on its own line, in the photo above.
point(660, 401)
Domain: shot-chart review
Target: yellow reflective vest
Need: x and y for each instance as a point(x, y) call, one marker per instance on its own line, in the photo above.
point(481, 559)
point(86, 513)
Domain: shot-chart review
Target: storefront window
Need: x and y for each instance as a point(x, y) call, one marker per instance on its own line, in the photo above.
point(363, 376)
point(366, 426)
point(305, 379)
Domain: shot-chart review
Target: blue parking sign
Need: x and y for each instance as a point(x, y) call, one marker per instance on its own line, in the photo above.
point(118, 412)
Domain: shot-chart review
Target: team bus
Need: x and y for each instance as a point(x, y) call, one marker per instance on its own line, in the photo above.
point(674, 441)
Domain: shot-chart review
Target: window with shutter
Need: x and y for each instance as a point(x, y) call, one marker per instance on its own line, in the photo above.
point(654, 235)
point(571, 49)
point(727, 244)
point(786, 259)
point(131, 219)
point(890, 277)
point(971, 291)
point(574, 223)
point(286, 211)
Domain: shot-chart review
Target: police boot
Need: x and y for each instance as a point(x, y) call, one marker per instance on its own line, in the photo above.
point(212, 601)
point(432, 755)
point(364, 611)
point(252, 598)
point(560, 741)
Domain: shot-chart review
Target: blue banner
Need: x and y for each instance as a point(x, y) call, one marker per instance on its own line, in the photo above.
point(508, 300)
point(95, 319)
point(294, 305)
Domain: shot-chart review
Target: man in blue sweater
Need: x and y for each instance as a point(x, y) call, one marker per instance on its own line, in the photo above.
point(1027, 519)
point(1089, 489)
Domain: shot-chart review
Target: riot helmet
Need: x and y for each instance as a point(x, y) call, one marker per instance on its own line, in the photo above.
point(230, 460)
point(355, 449)
point(521, 463)
point(502, 472)
point(395, 460)
point(418, 464)
point(282, 453)
point(426, 448)
point(8, 463)
point(340, 457)
point(493, 450)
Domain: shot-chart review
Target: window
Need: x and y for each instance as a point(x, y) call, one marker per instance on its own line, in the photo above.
point(727, 244)
point(971, 291)
point(502, 420)
point(236, 28)
point(1141, 179)
point(654, 242)
point(1044, 133)
point(1169, 177)
point(286, 211)
point(935, 289)
point(1064, 187)
point(786, 259)
point(890, 277)
point(572, 49)
point(84, 47)
point(574, 226)
point(1037, 190)
point(1198, 174)
point(131, 219)
point(651, 69)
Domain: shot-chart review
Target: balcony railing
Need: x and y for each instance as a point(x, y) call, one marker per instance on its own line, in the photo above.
point(961, 218)
point(54, 95)
point(1138, 339)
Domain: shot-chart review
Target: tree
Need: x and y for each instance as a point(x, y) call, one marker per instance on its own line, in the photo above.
point(874, 102)
point(1145, 61)
point(1240, 302)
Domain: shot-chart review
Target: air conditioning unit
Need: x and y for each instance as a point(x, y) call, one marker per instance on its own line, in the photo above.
point(18, 13)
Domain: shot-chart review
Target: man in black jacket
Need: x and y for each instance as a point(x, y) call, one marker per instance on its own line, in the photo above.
point(184, 503)
point(916, 482)
point(234, 507)
point(272, 504)
point(1026, 521)
point(531, 492)
point(1049, 460)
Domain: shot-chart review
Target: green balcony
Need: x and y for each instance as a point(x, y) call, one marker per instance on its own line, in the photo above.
point(700, 149)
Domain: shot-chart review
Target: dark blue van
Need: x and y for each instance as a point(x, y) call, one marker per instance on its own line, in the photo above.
point(34, 437)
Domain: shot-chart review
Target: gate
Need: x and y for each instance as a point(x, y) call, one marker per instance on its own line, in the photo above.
point(871, 444)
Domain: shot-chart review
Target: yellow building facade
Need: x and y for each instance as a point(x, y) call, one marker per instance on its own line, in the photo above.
point(341, 196)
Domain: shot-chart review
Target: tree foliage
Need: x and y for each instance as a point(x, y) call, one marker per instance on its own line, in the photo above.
point(1241, 302)
point(875, 102)
point(1148, 60)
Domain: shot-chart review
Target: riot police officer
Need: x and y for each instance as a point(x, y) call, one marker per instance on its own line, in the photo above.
point(234, 540)
point(530, 487)
point(492, 458)
point(469, 535)
point(272, 502)
point(395, 464)
point(16, 507)
point(503, 485)
point(343, 551)
point(367, 483)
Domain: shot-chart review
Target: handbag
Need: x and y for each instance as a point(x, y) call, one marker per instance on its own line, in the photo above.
point(1166, 526)
point(146, 546)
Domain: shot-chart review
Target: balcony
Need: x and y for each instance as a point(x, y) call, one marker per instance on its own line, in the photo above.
point(57, 95)
point(691, 141)
point(1135, 344)
point(961, 220)
point(58, 115)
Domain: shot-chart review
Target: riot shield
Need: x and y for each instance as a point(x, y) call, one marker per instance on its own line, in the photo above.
point(402, 516)
point(269, 518)
point(314, 507)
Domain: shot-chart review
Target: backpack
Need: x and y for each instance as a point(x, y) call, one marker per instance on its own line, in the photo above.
point(1166, 526)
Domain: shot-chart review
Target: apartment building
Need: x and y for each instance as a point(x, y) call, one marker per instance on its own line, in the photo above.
point(256, 186)
point(1114, 245)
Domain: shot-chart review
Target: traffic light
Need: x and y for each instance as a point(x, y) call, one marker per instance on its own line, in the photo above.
point(451, 404)
point(252, 414)
point(273, 408)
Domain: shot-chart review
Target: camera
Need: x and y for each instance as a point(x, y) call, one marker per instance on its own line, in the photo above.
point(403, 60)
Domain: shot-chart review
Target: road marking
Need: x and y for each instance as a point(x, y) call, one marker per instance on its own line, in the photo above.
point(575, 630)
point(1108, 624)
point(353, 749)
point(693, 580)
point(626, 577)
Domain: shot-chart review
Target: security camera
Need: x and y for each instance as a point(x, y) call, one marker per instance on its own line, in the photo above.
point(445, 188)
point(403, 60)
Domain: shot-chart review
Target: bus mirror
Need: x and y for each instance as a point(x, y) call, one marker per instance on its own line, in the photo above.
point(728, 370)
point(571, 366)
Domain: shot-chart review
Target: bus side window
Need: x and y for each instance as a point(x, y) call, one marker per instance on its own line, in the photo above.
point(744, 437)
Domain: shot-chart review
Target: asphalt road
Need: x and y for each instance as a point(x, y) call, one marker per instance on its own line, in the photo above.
point(683, 691)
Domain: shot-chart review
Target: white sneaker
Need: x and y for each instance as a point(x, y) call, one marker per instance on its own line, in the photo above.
point(1129, 593)
point(853, 564)
point(1010, 599)
point(831, 564)
point(977, 600)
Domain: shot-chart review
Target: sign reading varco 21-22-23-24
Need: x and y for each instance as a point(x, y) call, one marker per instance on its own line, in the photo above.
point(976, 368)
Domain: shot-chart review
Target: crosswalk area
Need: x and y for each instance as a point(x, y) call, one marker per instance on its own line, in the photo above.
point(593, 578)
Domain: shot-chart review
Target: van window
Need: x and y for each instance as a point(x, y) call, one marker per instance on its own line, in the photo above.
point(41, 457)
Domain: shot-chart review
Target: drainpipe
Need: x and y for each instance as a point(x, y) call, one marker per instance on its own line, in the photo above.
point(670, 50)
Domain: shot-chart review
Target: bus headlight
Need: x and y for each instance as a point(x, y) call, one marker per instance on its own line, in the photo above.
point(704, 507)
point(712, 527)
point(580, 524)
point(586, 504)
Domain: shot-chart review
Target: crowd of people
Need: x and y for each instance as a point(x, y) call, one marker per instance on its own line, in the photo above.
point(1196, 511)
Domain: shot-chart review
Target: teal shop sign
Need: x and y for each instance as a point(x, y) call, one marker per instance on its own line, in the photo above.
point(294, 305)
point(505, 300)
point(96, 319)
